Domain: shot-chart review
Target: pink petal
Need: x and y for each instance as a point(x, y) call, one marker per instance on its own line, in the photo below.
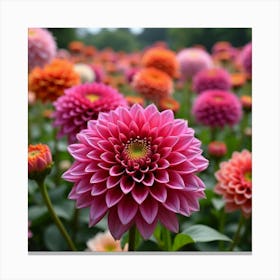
point(127, 209)
point(116, 228)
point(92, 167)
point(175, 180)
point(83, 186)
point(163, 163)
point(139, 193)
point(161, 176)
point(144, 228)
point(84, 200)
point(172, 202)
point(116, 170)
point(169, 141)
point(158, 192)
point(105, 145)
point(98, 209)
point(149, 209)
point(176, 158)
point(192, 200)
point(127, 184)
point(112, 182)
point(99, 176)
point(168, 219)
point(113, 196)
point(97, 189)
point(149, 179)
point(108, 157)
point(166, 116)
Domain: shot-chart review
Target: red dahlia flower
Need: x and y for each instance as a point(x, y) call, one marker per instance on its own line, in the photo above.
point(138, 165)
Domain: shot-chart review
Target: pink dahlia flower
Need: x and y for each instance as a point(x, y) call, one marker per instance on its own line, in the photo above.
point(217, 108)
point(82, 103)
point(193, 60)
point(41, 47)
point(138, 165)
point(246, 58)
point(235, 182)
point(217, 149)
point(215, 78)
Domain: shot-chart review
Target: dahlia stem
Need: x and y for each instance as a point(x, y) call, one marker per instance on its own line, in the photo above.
point(131, 238)
point(166, 239)
point(221, 228)
point(75, 223)
point(44, 192)
point(213, 134)
point(237, 233)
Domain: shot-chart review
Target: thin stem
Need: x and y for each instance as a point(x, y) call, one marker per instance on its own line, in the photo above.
point(237, 233)
point(75, 223)
point(166, 239)
point(221, 228)
point(55, 218)
point(131, 238)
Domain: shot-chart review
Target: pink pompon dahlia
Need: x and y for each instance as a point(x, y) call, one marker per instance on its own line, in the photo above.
point(214, 78)
point(138, 165)
point(235, 182)
point(193, 60)
point(217, 108)
point(41, 47)
point(82, 103)
point(246, 58)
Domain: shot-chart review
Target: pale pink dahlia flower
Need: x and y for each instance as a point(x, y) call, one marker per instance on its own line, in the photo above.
point(193, 60)
point(217, 108)
point(82, 103)
point(215, 78)
point(235, 182)
point(139, 166)
point(41, 47)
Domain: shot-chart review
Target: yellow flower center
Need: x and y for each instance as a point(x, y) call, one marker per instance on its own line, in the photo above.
point(110, 247)
point(31, 33)
point(92, 97)
point(137, 149)
point(33, 153)
point(248, 176)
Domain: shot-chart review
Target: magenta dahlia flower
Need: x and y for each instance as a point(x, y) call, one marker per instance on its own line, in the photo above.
point(82, 103)
point(217, 108)
point(246, 58)
point(41, 47)
point(215, 78)
point(193, 60)
point(138, 165)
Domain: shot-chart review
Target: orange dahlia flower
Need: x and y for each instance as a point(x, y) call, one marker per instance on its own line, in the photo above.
point(162, 59)
point(152, 83)
point(169, 103)
point(238, 79)
point(76, 46)
point(50, 82)
point(235, 182)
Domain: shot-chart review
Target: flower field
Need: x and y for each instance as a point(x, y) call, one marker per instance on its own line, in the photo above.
point(147, 149)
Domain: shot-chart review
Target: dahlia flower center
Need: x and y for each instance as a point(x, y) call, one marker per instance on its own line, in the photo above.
point(212, 73)
point(33, 153)
point(110, 247)
point(92, 97)
point(137, 149)
point(218, 98)
point(248, 176)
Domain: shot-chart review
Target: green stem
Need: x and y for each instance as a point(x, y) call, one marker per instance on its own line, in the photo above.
point(55, 218)
point(166, 239)
point(131, 238)
point(237, 233)
point(75, 223)
point(221, 228)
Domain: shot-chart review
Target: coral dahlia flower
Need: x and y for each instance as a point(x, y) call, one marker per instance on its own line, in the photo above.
point(215, 78)
point(162, 59)
point(104, 242)
point(50, 82)
point(41, 47)
point(193, 60)
point(235, 182)
point(39, 160)
point(217, 108)
point(152, 83)
point(82, 103)
point(138, 165)
point(217, 148)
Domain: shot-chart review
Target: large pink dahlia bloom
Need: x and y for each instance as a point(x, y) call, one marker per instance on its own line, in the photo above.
point(217, 108)
point(82, 103)
point(246, 58)
point(235, 182)
point(215, 78)
point(41, 47)
point(140, 166)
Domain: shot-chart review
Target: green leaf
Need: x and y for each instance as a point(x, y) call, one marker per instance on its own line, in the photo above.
point(36, 212)
point(181, 240)
point(148, 245)
point(54, 241)
point(202, 233)
point(218, 203)
point(64, 209)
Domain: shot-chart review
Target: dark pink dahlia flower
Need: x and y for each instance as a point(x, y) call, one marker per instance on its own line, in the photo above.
point(139, 166)
point(83, 103)
point(217, 108)
point(41, 47)
point(215, 78)
point(246, 58)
